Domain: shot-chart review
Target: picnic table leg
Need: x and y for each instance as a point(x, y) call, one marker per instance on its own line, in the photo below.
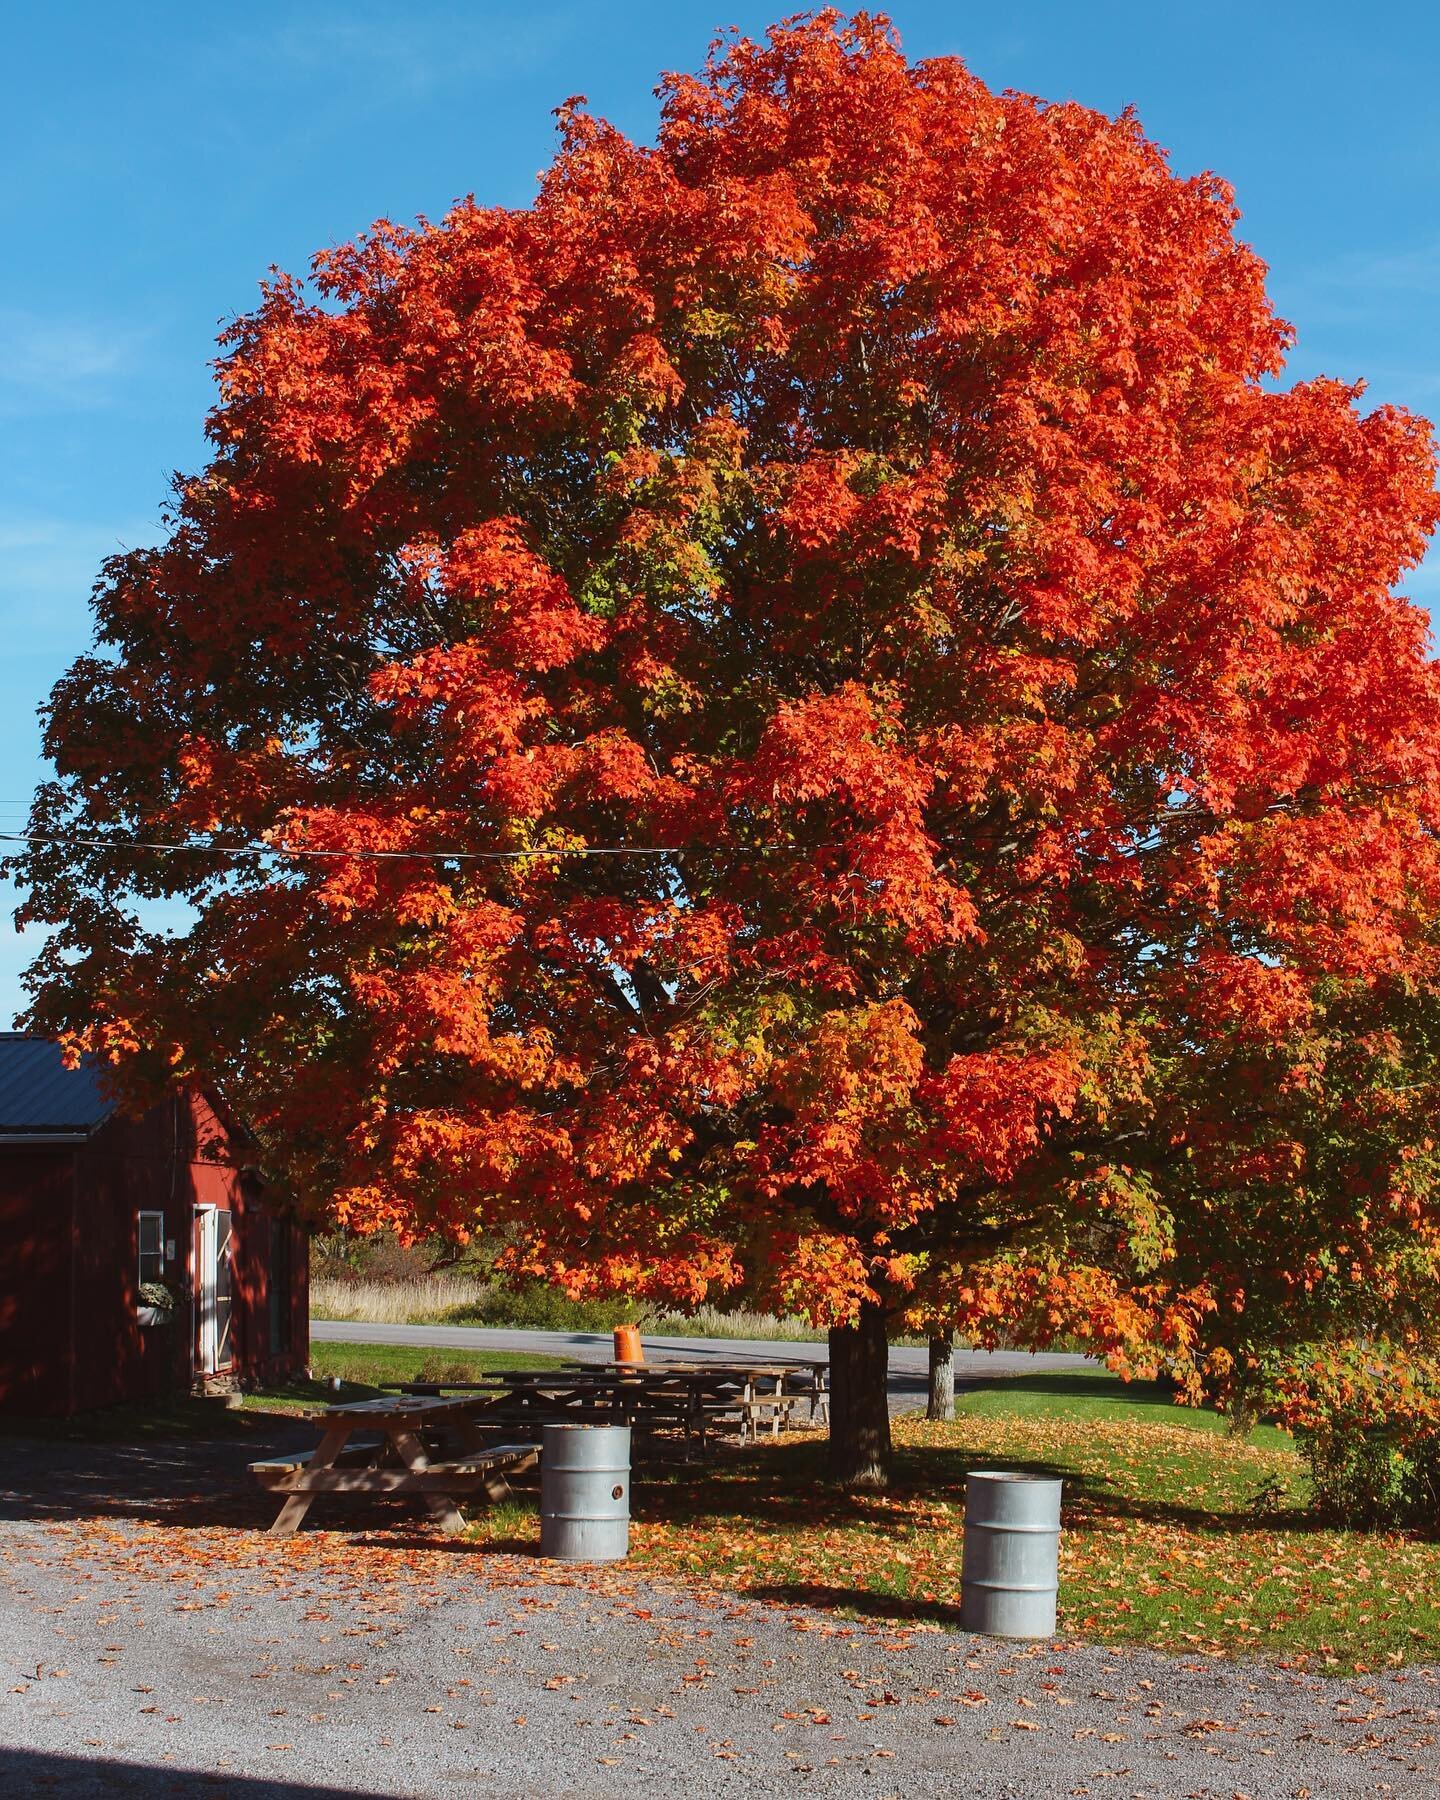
point(441, 1507)
point(292, 1513)
point(497, 1487)
point(695, 1424)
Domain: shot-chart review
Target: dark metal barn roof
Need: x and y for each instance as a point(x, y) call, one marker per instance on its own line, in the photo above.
point(39, 1095)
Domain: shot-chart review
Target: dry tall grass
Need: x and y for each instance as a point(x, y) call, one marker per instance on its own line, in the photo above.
point(710, 1321)
point(449, 1299)
point(420, 1302)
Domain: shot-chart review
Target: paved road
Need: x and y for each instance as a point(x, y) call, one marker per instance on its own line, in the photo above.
point(908, 1367)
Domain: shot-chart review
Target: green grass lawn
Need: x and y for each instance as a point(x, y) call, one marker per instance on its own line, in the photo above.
point(1095, 1394)
point(364, 1369)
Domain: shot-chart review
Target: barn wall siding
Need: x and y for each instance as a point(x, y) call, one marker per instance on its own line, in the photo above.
point(36, 1202)
point(124, 1169)
point(178, 1156)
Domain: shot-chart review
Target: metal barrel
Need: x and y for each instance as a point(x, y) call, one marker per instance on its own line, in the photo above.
point(1012, 1553)
point(585, 1492)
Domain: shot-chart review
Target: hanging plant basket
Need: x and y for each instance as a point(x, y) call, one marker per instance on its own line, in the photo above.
point(156, 1305)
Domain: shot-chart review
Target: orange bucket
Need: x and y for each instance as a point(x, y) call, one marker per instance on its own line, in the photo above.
point(628, 1348)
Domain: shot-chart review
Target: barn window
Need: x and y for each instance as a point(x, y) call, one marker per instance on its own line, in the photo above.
point(151, 1238)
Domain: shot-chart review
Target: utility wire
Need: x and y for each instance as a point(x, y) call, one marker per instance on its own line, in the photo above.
point(255, 849)
point(361, 855)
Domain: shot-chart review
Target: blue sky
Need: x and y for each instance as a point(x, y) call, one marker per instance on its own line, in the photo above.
point(160, 158)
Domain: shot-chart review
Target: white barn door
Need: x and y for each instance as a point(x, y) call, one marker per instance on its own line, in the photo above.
point(214, 1249)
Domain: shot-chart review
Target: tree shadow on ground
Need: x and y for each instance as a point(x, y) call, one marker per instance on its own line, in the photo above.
point(49, 1772)
point(775, 1488)
point(192, 1481)
point(1080, 1384)
point(783, 1486)
point(178, 1418)
point(865, 1603)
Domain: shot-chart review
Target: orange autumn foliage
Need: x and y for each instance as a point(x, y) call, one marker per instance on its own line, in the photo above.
point(870, 510)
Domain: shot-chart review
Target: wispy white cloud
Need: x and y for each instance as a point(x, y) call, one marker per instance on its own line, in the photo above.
point(333, 74)
point(49, 364)
point(415, 53)
point(1414, 269)
point(1363, 286)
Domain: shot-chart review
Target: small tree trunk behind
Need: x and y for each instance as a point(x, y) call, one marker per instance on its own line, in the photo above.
point(942, 1377)
point(860, 1401)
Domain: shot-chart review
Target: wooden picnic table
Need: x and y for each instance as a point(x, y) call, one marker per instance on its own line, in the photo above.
point(594, 1396)
point(790, 1382)
point(400, 1463)
point(526, 1399)
point(691, 1397)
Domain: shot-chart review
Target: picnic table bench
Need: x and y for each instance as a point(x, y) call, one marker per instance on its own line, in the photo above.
point(399, 1463)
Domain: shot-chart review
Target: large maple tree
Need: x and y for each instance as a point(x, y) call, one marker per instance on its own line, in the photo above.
point(865, 524)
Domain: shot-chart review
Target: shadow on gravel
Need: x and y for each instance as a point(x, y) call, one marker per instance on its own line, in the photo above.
point(776, 1489)
point(192, 1482)
point(904, 1386)
point(398, 1539)
point(27, 1772)
point(859, 1601)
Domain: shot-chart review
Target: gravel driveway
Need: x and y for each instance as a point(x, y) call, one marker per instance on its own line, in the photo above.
point(152, 1641)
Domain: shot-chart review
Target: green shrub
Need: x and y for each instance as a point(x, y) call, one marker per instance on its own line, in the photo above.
point(1373, 1475)
point(341, 1256)
point(539, 1308)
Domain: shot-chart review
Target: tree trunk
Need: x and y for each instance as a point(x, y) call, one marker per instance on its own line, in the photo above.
point(860, 1401)
point(942, 1377)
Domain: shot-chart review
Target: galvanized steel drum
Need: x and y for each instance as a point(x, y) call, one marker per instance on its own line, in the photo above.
point(585, 1492)
point(1012, 1553)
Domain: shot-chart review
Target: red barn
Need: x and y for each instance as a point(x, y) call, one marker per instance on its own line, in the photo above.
point(95, 1207)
